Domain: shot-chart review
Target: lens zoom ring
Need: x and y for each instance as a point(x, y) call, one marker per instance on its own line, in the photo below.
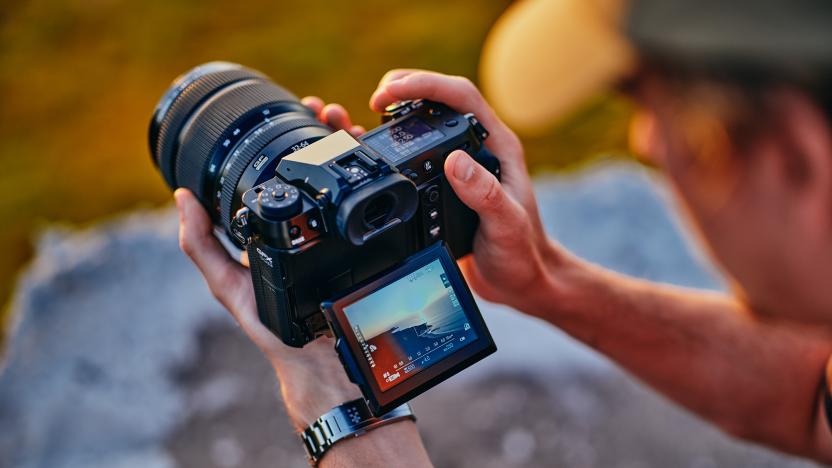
point(164, 148)
point(248, 150)
point(215, 116)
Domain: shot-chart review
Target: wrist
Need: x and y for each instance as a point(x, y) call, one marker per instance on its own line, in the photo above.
point(562, 284)
point(345, 422)
point(311, 387)
point(396, 444)
point(309, 392)
point(306, 403)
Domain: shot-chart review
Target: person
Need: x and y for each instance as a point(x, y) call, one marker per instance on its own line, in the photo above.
point(734, 108)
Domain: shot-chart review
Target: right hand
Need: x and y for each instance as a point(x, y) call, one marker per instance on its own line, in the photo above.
point(512, 253)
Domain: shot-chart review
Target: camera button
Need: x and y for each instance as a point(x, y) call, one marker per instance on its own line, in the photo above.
point(451, 123)
point(279, 195)
point(434, 232)
point(396, 106)
point(432, 194)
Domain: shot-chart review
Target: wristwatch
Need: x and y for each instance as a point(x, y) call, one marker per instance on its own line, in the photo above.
point(350, 419)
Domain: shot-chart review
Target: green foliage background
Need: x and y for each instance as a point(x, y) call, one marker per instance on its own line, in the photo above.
point(79, 80)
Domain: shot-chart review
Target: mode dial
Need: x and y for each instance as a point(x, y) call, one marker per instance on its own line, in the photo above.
point(279, 201)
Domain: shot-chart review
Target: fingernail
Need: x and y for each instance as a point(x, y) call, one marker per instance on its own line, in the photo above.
point(463, 167)
point(181, 203)
point(178, 200)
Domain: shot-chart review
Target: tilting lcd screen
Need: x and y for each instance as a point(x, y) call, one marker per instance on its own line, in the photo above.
point(410, 324)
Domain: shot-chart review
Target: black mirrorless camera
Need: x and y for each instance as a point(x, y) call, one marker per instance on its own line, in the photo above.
point(350, 236)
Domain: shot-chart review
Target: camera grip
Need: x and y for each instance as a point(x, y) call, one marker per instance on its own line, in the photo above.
point(271, 295)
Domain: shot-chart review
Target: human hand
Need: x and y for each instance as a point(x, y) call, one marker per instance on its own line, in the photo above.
point(511, 250)
point(333, 115)
point(312, 380)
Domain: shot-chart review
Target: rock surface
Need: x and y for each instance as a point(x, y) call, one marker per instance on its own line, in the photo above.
point(120, 358)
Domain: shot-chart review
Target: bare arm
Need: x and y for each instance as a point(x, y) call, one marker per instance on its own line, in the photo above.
point(754, 379)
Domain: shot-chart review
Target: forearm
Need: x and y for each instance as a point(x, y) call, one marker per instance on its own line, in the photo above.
point(706, 351)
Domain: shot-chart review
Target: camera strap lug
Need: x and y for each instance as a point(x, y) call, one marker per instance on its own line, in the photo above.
point(479, 128)
point(240, 227)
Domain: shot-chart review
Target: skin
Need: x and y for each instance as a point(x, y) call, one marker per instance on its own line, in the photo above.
point(754, 369)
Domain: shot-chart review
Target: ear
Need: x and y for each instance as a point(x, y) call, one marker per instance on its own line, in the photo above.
point(806, 143)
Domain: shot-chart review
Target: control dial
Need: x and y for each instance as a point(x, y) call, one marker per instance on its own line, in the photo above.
point(400, 109)
point(279, 201)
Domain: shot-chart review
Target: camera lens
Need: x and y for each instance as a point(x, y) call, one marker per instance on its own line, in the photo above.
point(221, 128)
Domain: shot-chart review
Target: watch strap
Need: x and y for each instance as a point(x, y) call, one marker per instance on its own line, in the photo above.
point(347, 420)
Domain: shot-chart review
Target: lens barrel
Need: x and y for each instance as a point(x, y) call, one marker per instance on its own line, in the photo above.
point(214, 121)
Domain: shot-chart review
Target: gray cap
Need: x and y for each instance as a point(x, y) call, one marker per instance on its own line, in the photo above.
point(778, 35)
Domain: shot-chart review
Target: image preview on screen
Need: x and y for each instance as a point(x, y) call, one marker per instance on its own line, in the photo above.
point(404, 139)
point(410, 324)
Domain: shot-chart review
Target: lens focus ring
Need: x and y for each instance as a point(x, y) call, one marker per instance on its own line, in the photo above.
point(249, 149)
point(166, 125)
point(205, 128)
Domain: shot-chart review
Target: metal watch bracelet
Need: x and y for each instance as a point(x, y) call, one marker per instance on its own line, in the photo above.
point(351, 419)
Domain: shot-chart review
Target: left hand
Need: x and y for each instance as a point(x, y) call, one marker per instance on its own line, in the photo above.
point(333, 115)
point(312, 379)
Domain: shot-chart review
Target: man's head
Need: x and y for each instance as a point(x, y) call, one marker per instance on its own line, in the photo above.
point(734, 106)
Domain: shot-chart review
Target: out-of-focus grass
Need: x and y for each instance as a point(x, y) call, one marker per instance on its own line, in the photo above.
point(79, 79)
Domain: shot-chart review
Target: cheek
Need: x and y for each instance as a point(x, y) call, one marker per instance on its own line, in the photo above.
point(736, 235)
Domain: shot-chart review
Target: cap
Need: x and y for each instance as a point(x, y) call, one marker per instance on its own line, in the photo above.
point(545, 57)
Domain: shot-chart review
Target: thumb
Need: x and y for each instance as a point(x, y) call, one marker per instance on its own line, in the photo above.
point(480, 190)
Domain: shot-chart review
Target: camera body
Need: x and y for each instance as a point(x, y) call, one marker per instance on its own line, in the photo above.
point(351, 237)
point(340, 210)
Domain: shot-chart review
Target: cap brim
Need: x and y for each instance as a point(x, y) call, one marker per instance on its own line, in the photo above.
point(545, 57)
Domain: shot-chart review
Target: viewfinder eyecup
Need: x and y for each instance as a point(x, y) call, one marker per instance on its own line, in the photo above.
point(376, 207)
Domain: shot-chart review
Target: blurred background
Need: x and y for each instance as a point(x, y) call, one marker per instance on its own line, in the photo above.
point(79, 81)
point(117, 356)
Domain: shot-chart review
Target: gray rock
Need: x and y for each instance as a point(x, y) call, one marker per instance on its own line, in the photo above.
point(120, 358)
point(105, 315)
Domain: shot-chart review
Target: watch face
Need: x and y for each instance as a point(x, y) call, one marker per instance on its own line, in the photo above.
point(410, 328)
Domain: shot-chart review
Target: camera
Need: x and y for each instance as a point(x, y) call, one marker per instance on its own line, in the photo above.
point(353, 237)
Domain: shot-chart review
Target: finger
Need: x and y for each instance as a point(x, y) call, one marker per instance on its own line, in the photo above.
point(357, 130)
point(224, 276)
point(473, 277)
point(396, 74)
point(314, 103)
point(501, 218)
point(469, 270)
point(336, 117)
point(460, 94)
point(455, 91)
